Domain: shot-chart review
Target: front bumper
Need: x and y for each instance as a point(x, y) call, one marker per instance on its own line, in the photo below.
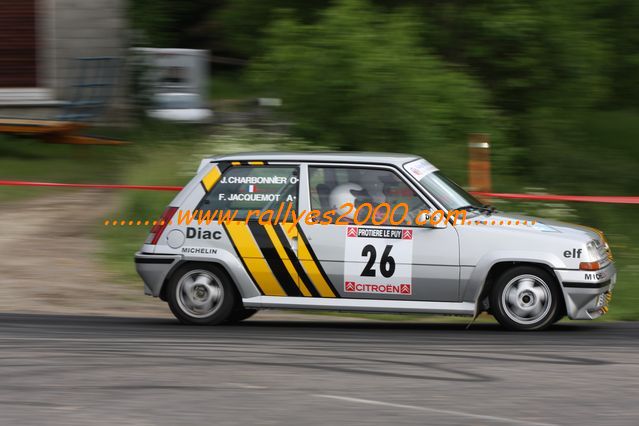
point(154, 268)
point(588, 293)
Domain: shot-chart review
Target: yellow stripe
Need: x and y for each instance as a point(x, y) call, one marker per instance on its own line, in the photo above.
point(284, 257)
point(252, 256)
point(211, 177)
point(256, 163)
point(290, 229)
point(312, 269)
point(235, 163)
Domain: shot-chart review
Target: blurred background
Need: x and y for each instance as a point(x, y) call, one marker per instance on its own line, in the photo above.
point(552, 86)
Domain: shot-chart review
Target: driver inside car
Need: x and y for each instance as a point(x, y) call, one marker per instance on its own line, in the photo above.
point(346, 198)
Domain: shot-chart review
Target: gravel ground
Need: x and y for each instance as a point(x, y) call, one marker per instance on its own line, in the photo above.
point(51, 262)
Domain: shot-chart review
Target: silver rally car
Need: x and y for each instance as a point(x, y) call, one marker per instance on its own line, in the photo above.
point(280, 234)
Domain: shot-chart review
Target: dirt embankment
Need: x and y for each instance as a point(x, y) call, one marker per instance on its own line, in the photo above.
point(50, 262)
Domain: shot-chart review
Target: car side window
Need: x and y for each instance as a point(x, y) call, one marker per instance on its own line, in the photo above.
point(245, 188)
point(331, 187)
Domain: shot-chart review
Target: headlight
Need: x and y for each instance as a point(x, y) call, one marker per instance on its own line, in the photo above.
point(598, 256)
point(604, 243)
point(593, 251)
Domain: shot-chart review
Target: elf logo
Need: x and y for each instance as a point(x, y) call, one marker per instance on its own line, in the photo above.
point(575, 253)
point(200, 234)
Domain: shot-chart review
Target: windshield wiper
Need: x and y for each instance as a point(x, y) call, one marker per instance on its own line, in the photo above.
point(492, 209)
point(485, 208)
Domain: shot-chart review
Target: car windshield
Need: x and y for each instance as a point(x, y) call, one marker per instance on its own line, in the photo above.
point(447, 192)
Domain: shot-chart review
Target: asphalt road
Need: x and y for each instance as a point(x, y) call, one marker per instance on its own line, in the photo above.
point(66, 370)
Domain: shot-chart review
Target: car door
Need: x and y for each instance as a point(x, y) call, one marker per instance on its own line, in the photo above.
point(262, 198)
point(375, 257)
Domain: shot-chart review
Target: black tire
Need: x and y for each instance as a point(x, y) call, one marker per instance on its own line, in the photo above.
point(526, 298)
point(198, 284)
point(240, 313)
point(561, 312)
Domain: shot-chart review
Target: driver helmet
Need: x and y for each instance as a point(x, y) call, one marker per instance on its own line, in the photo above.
point(345, 193)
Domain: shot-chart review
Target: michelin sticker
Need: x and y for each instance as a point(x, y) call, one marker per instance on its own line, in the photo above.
point(378, 260)
point(199, 250)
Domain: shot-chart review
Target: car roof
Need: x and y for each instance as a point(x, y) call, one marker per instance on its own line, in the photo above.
point(325, 156)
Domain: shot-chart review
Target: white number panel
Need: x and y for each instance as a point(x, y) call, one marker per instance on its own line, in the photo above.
point(378, 260)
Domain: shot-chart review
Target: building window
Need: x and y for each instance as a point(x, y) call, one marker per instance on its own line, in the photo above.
point(18, 48)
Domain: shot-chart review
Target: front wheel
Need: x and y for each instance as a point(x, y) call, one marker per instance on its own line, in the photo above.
point(200, 294)
point(526, 298)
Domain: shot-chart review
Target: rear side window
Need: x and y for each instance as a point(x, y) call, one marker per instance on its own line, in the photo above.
point(245, 188)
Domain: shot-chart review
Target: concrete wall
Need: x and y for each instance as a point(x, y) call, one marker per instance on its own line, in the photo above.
point(77, 28)
point(68, 29)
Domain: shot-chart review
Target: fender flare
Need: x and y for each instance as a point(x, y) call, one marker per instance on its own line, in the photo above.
point(231, 266)
point(476, 284)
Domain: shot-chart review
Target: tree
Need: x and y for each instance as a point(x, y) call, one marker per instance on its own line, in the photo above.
point(359, 79)
point(530, 54)
point(244, 22)
point(184, 23)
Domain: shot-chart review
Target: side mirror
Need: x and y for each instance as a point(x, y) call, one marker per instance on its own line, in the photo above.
point(424, 220)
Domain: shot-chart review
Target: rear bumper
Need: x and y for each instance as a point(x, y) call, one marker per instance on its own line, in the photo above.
point(154, 268)
point(587, 293)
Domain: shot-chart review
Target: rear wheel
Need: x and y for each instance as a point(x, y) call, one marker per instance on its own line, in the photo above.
point(200, 294)
point(526, 298)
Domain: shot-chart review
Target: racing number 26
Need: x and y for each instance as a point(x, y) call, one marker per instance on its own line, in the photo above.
point(386, 263)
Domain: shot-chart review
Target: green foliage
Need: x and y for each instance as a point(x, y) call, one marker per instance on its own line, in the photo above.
point(359, 79)
point(527, 53)
point(545, 63)
point(601, 157)
point(170, 23)
point(245, 21)
point(530, 53)
point(620, 32)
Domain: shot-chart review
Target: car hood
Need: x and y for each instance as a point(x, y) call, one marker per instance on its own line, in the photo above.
point(540, 225)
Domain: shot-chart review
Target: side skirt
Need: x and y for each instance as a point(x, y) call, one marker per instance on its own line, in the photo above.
point(364, 305)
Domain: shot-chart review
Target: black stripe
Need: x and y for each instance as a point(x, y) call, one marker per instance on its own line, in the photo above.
point(273, 259)
point(295, 261)
point(587, 285)
point(222, 166)
point(248, 271)
point(314, 257)
point(162, 261)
